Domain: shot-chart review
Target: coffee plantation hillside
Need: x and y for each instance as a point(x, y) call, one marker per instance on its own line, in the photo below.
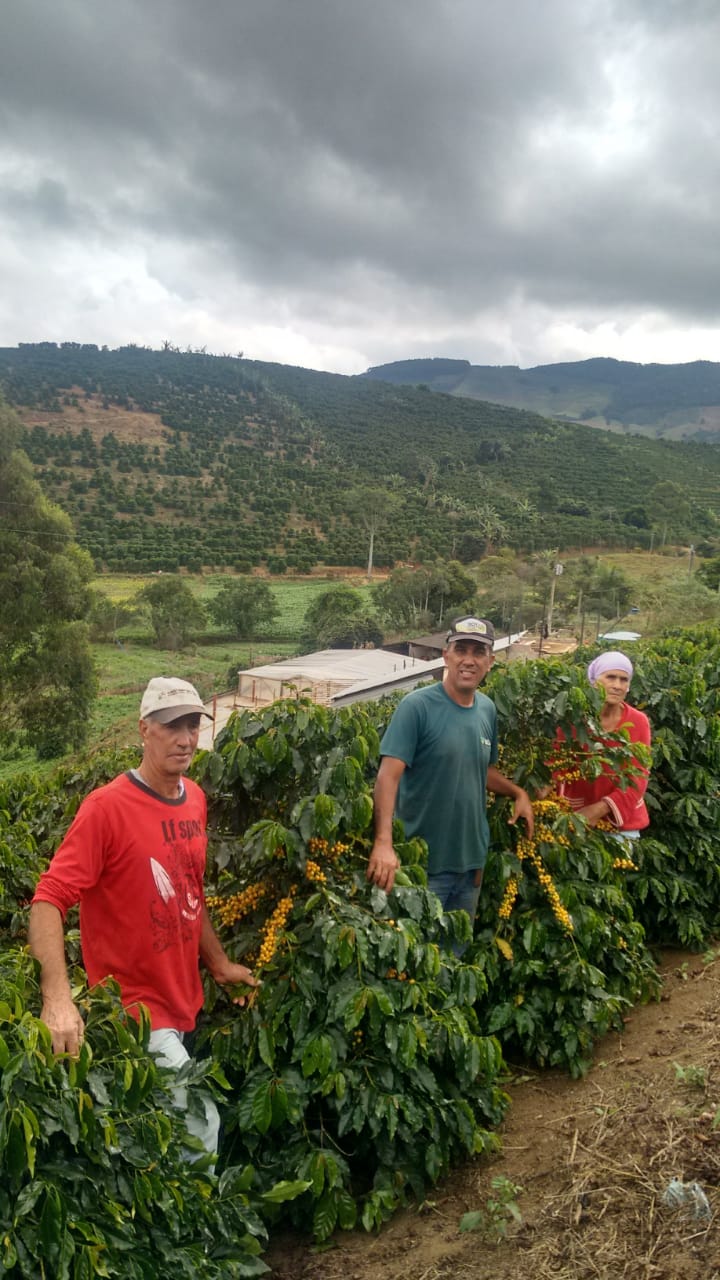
point(370, 1060)
point(167, 460)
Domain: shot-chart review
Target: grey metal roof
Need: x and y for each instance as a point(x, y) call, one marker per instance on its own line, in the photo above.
point(338, 665)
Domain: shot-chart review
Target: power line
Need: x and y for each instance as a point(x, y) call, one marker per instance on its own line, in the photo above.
point(40, 533)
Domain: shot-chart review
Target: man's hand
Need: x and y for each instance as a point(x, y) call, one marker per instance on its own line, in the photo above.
point(236, 975)
point(216, 960)
point(384, 862)
point(522, 808)
point(63, 1021)
point(382, 865)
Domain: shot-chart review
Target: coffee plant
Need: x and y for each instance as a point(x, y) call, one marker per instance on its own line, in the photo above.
point(676, 893)
point(359, 1065)
point(562, 952)
point(96, 1180)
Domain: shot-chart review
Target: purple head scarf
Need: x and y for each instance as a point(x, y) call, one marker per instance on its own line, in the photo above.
point(610, 661)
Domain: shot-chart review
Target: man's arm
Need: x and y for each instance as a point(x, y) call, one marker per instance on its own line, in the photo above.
point(502, 786)
point(59, 1012)
point(384, 862)
point(224, 970)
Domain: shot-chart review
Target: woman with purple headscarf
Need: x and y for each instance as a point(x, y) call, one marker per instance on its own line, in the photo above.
point(602, 798)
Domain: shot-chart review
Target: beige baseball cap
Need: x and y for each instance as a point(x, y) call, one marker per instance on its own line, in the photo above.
point(167, 698)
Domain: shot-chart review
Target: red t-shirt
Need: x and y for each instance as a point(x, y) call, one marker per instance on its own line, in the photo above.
point(135, 863)
point(627, 807)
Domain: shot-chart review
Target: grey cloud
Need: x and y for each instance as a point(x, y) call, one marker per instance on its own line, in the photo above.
point(426, 160)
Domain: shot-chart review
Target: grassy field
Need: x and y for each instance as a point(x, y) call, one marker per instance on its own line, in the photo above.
point(293, 595)
point(124, 672)
point(125, 668)
point(646, 568)
point(650, 573)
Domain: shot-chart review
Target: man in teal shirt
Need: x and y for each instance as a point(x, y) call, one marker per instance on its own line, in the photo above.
point(439, 757)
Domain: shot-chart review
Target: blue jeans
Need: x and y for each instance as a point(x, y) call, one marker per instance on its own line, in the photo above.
point(457, 891)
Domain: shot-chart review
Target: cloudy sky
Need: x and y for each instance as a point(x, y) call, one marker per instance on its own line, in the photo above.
point(340, 184)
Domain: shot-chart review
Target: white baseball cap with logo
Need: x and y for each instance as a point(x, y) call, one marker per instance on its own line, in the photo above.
point(167, 698)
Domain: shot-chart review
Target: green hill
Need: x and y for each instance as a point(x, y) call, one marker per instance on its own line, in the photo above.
point(166, 459)
point(671, 401)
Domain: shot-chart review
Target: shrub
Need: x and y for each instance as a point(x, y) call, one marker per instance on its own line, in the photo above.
point(94, 1176)
point(359, 1066)
point(557, 939)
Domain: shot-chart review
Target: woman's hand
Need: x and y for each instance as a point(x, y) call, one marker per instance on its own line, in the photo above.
point(593, 813)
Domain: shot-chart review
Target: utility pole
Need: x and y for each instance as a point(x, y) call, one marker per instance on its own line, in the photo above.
point(581, 616)
point(557, 570)
point(692, 557)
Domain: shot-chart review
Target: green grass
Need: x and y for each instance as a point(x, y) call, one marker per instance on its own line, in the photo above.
point(124, 672)
point(293, 596)
point(645, 568)
point(25, 762)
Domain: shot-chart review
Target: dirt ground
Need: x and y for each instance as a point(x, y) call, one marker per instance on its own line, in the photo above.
point(593, 1158)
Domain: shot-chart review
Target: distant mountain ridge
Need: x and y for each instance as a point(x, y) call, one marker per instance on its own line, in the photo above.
point(667, 401)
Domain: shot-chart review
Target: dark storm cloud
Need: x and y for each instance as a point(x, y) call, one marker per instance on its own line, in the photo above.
point(404, 172)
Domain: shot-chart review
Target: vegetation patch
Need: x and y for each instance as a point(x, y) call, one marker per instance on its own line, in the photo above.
point(370, 1061)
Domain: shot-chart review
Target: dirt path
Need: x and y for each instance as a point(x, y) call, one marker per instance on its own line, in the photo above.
point(593, 1157)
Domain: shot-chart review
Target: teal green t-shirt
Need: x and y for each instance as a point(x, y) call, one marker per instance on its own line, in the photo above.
point(447, 749)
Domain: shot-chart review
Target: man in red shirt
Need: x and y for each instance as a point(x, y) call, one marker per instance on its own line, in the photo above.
point(134, 859)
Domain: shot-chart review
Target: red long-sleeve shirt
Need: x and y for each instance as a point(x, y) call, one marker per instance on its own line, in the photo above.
point(627, 809)
point(135, 863)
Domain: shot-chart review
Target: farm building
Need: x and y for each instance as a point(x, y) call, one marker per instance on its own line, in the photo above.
point(329, 672)
point(333, 677)
point(425, 647)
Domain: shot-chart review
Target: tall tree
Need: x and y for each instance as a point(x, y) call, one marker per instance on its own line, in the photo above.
point(339, 619)
point(669, 506)
point(373, 508)
point(245, 606)
point(107, 616)
point(47, 679)
point(426, 595)
point(174, 612)
point(491, 526)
